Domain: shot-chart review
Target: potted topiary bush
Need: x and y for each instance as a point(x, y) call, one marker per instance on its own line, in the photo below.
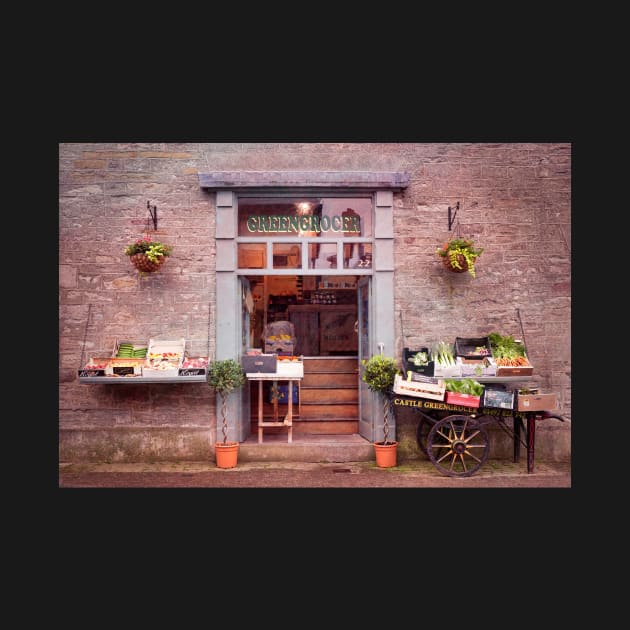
point(379, 374)
point(225, 376)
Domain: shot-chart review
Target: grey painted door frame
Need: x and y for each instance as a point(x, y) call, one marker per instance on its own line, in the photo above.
point(229, 295)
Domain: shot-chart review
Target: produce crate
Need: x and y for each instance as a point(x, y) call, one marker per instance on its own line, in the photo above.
point(537, 402)
point(421, 378)
point(474, 367)
point(452, 371)
point(194, 366)
point(466, 400)
point(96, 366)
point(283, 394)
point(136, 349)
point(466, 346)
point(498, 398)
point(433, 391)
point(124, 367)
point(266, 363)
point(409, 365)
point(164, 357)
point(521, 370)
point(290, 366)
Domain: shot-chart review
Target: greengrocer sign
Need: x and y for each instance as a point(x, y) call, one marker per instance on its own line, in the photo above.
point(300, 224)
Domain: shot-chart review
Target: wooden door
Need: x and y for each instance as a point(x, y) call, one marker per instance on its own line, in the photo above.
point(366, 398)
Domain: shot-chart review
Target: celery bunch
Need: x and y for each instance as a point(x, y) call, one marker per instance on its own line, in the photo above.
point(442, 354)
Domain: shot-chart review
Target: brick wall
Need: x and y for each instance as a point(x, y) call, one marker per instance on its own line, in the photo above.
point(515, 202)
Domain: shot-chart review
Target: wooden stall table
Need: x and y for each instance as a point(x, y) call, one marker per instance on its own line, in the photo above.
point(288, 419)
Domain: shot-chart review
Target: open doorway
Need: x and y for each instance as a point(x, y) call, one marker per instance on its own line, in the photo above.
point(322, 309)
point(314, 317)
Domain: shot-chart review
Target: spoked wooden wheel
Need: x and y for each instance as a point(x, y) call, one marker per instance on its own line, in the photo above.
point(458, 446)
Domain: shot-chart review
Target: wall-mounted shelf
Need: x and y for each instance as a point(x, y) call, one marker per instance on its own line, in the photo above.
point(130, 380)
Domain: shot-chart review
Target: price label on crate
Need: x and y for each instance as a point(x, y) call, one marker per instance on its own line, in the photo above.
point(120, 370)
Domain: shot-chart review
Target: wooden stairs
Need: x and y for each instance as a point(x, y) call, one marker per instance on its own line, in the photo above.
point(329, 398)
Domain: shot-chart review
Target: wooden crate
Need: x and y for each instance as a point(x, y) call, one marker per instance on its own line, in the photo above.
point(166, 366)
point(433, 391)
point(521, 370)
point(537, 402)
point(465, 400)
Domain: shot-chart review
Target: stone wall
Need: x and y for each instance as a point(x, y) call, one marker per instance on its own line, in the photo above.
point(515, 201)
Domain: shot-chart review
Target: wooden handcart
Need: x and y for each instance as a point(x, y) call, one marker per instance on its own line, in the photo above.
point(455, 439)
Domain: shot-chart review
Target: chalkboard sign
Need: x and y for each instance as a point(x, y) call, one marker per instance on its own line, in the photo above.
point(84, 373)
point(192, 371)
point(122, 371)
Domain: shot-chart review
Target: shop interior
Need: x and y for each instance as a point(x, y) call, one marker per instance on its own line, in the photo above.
point(321, 312)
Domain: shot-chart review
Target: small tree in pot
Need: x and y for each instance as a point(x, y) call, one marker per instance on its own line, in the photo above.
point(225, 376)
point(379, 374)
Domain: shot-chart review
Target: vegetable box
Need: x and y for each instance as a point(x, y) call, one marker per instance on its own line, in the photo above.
point(96, 366)
point(473, 347)
point(466, 400)
point(124, 367)
point(194, 366)
point(447, 371)
point(433, 391)
point(164, 357)
point(410, 365)
point(537, 402)
point(290, 366)
point(521, 370)
point(498, 398)
point(265, 363)
point(130, 349)
point(474, 367)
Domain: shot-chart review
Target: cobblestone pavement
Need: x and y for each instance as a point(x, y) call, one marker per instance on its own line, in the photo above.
point(416, 474)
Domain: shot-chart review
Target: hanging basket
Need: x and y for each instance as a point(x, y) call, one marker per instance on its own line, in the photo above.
point(460, 259)
point(142, 263)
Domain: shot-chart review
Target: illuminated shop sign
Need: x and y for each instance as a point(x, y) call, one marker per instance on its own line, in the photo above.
point(306, 223)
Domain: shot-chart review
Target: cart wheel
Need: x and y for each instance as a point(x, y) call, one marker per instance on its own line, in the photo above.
point(458, 446)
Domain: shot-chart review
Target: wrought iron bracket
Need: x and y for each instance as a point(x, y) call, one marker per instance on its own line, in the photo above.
point(452, 215)
point(153, 213)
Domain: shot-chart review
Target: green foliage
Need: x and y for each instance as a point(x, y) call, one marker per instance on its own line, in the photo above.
point(466, 248)
point(225, 376)
point(463, 386)
point(153, 249)
point(379, 373)
point(505, 347)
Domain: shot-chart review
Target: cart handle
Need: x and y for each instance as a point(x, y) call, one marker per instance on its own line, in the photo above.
point(550, 414)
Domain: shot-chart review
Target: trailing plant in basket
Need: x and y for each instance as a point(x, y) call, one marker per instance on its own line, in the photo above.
point(147, 255)
point(379, 374)
point(225, 376)
point(460, 254)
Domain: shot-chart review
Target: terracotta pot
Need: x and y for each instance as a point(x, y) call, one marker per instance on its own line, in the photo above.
point(142, 263)
point(385, 454)
point(460, 259)
point(226, 454)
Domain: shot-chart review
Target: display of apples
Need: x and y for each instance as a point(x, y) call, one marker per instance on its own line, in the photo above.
point(96, 364)
point(195, 362)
